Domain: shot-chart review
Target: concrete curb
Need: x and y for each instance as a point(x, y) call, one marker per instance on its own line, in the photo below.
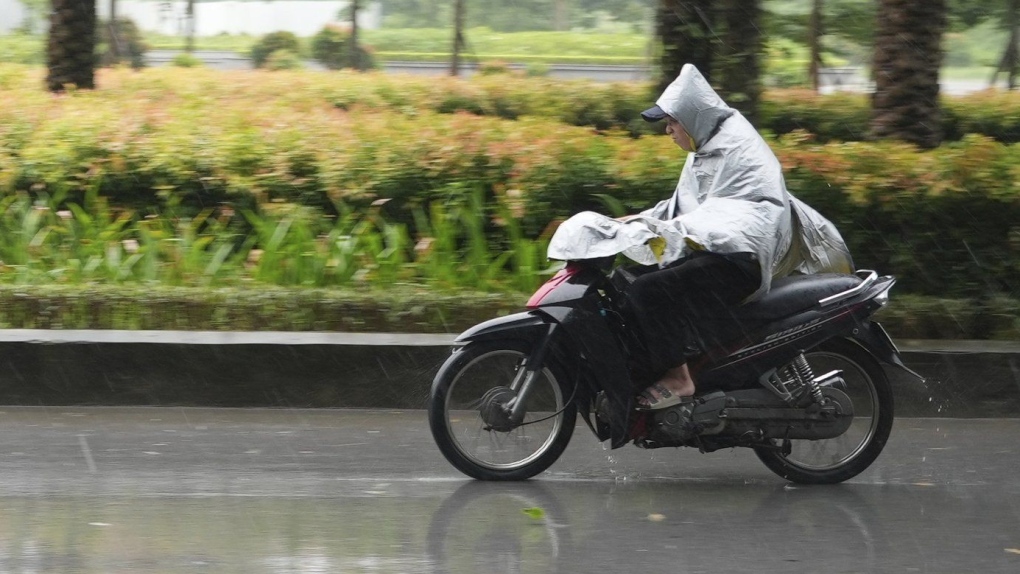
point(379, 370)
point(224, 337)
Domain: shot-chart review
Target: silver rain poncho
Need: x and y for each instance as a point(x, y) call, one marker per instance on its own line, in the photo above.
point(731, 198)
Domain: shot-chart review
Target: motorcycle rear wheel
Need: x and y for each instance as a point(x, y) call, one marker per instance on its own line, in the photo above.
point(830, 461)
point(465, 416)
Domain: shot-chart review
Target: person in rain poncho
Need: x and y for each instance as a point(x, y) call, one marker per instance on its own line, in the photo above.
point(729, 228)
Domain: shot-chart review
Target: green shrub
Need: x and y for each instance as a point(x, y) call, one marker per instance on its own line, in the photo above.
point(401, 309)
point(284, 60)
point(331, 47)
point(536, 69)
point(460, 103)
point(20, 48)
point(845, 116)
point(186, 60)
point(131, 47)
point(786, 63)
point(494, 67)
point(943, 221)
point(272, 42)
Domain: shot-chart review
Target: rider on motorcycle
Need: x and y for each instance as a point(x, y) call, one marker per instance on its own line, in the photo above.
point(730, 227)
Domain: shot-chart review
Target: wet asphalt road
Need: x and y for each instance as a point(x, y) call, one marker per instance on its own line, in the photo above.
point(146, 490)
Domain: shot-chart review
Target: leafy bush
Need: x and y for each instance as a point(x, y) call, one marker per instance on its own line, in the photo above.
point(402, 309)
point(536, 69)
point(131, 47)
point(494, 67)
point(845, 116)
point(186, 60)
point(272, 42)
point(841, 116)
point(284, 60)
point(331, 47)
point(786, 63)
point(20, 48)
point(943, 221)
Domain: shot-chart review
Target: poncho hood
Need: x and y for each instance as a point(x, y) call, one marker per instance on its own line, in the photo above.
point(691, 101)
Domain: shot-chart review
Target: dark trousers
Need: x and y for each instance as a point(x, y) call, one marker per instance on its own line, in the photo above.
point(663, 302)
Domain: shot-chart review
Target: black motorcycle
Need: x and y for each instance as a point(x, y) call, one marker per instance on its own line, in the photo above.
point(794, 375)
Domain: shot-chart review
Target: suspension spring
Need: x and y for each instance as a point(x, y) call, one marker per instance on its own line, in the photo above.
point(807, 377)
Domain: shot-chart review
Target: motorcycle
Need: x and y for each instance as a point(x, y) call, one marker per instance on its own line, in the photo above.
point(795, 375)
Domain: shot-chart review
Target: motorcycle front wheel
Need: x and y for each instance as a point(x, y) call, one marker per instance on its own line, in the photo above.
point(467, 414)
point(830, 461)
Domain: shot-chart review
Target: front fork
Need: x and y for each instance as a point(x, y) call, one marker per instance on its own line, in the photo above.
point(524, 380)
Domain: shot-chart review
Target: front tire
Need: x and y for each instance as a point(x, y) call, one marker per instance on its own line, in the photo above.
point(830, 461)
point(467, 394)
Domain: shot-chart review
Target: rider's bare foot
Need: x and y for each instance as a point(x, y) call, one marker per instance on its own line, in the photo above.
point(671, 389)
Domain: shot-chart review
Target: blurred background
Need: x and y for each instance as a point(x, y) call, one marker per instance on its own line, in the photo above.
point(364, 153)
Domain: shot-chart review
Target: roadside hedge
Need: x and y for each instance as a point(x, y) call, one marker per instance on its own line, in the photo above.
point(944, 221)
point(842, 116)
point(845, 116)
point(402, 310)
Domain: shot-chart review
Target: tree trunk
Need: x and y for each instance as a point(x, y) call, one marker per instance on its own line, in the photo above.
point(354, 50)
point(561, 15)
point(189, 45)
point(1010, 61)
point(458, 36)
point(738, 69)
point(908, 55)
point(71, 46)
point(684, 28)
point(815, 31)
point(115, 49)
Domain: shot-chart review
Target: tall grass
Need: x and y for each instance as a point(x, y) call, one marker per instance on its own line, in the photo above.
point(48, 240)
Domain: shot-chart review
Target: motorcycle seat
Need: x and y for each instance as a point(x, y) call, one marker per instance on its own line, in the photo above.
point(795, 293)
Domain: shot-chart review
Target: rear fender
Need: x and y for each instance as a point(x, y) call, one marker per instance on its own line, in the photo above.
point(872, 336)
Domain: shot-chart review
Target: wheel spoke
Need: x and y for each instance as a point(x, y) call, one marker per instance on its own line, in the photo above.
point(474, 393)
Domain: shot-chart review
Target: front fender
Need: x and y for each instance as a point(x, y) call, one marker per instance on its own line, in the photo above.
point(527, 326)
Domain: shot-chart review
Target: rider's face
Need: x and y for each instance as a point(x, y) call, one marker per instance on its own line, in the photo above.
point(679, 134)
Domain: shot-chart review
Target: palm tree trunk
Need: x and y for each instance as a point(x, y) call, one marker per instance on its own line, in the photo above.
point(738, 71)
point(908, 55)
point(70, 50)
point(685, 28)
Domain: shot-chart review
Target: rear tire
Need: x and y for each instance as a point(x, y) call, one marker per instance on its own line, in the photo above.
point(464, 392)
point(830, 461)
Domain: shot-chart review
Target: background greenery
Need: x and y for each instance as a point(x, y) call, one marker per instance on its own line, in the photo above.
point(970, 51)
point(185, 183)
point(252, 181)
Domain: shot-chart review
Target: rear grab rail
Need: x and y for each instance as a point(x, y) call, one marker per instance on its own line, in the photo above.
point(868, 281)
